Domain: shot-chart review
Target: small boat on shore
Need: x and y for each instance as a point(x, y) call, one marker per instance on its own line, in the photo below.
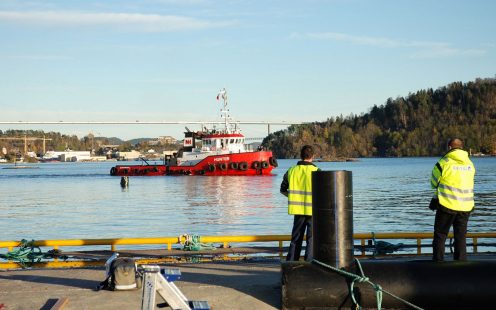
point(210, 152)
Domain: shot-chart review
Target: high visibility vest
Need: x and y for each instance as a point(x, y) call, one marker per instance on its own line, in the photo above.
point(300, 189)
point(453, 179)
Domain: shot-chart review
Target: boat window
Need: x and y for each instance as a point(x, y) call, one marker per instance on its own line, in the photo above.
point(232, 140)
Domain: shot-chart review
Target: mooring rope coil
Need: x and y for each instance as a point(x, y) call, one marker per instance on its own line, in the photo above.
point(27, 253)
point(192, 243)
point(363, 279)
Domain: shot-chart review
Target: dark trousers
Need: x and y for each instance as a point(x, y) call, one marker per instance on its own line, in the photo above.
point(301, 224)
point(444, 220)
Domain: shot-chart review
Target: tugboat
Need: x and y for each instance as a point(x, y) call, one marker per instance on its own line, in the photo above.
point(209, 152)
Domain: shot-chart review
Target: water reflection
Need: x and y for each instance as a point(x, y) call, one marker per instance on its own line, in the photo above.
point(233, 201)
point(75, 200)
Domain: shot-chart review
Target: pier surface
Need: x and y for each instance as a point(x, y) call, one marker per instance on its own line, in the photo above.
point(239, 285)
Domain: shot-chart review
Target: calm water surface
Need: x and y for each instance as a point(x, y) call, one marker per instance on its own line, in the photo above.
point(81, 200)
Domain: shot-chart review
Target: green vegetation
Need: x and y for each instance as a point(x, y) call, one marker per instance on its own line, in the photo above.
point(416, 125)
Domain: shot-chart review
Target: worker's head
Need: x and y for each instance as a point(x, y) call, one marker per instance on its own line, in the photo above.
point(455, 143)
point(306, 152)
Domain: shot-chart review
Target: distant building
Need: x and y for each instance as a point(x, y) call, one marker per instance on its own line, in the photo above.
point(129, 155)
point(75, 156)
point(167, 140)
point(31, 154)
point(68, 156)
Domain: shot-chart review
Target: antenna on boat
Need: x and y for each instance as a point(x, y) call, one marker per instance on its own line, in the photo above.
point(223, 94)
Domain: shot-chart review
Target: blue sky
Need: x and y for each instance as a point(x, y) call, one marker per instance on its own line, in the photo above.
point(166, 60)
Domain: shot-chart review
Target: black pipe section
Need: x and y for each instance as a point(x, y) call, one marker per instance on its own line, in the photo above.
point(427, 284)
point(333, 217)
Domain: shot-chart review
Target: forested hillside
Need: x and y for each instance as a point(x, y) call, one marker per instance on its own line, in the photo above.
point(416, 125)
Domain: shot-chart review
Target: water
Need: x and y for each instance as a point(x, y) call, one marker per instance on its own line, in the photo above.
point(81, 200)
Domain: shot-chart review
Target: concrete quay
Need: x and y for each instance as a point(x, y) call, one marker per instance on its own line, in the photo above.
point(225, 285)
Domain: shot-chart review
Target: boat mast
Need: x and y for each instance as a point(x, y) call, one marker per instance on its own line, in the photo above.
point(224, 111)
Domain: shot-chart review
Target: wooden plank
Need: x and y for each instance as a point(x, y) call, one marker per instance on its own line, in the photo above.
point(60, 304)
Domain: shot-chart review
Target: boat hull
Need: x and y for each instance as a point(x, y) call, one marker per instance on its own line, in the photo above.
point(247, 163)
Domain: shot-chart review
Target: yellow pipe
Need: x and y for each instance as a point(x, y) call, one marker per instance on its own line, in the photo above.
point(169, 241)
point(55, 243)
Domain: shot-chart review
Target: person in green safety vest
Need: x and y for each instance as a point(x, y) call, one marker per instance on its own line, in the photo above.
point(453, 181)
point(297, 186)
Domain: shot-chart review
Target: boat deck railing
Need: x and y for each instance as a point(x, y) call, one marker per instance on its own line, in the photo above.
point(365, 244)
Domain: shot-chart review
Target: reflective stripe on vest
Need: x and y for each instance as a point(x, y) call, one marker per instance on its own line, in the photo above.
point(456, 184)
point(300, 189)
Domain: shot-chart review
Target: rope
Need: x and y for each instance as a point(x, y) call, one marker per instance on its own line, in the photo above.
point(363, 279)
point(383, 247)
point(27, 254)
point(192, 243)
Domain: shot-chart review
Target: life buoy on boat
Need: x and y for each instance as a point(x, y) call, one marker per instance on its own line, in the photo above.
point(155, 169)
point(264, 164)
point(136, 171)
point(125, 171)
point(112, 171)
point(243, 166)
point(273, 161)
point(222, 166)
point(201, 172)
point(211, 167)
point(255, 164)
point(233, 165)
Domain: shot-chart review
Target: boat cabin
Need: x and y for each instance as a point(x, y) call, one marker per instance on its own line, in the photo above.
point(233, 143)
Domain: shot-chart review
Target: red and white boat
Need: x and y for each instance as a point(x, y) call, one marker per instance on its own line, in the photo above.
point(209, 152)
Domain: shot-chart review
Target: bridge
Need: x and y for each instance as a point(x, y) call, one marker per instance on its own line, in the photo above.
point(137, 122)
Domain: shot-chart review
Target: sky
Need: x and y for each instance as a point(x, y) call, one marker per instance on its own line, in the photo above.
point(279, 60)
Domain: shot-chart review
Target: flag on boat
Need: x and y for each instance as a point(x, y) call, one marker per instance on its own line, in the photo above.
point(222, 94)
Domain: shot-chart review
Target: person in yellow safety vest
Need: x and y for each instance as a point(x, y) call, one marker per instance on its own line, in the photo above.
point(453, 181)
point(297, 186)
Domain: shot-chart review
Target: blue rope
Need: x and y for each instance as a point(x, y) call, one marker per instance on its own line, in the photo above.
point(363, 279)
point(383, 247)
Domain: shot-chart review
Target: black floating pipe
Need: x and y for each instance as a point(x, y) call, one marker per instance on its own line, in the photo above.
point(426, 284)
point(333, 217)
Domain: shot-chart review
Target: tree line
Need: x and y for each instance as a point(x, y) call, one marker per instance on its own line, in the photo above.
point(416, 125)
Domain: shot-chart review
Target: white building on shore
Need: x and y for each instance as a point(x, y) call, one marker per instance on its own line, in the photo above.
point(68, 156)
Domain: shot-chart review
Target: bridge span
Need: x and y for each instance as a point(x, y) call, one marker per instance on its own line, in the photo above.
point(137, 122)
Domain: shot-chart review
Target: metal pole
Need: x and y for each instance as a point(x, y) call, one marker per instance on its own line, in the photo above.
point(149, 287)
point(333, 217)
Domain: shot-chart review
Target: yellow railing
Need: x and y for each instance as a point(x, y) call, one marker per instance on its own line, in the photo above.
point(168, 242)
point(418, 236)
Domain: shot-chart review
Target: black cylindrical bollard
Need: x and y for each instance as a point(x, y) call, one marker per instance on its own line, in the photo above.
point(333, 217)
